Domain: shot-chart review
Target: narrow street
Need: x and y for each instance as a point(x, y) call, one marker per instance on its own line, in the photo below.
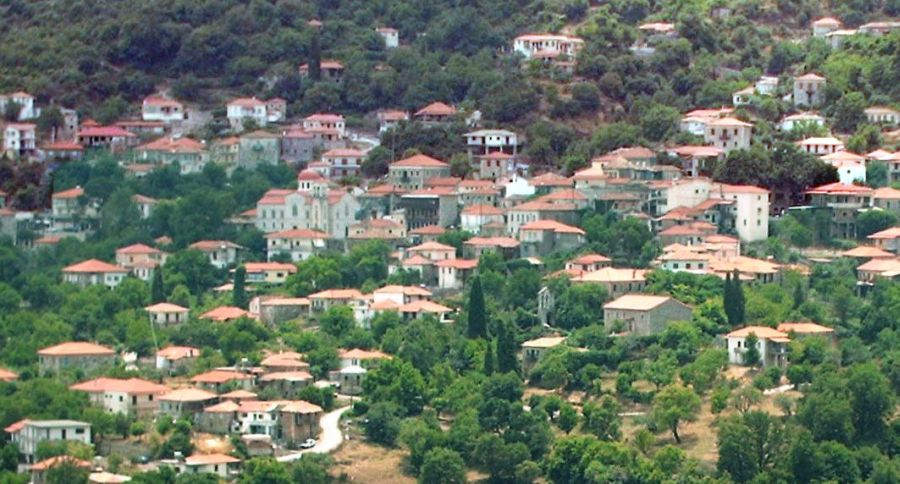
point(330, 438)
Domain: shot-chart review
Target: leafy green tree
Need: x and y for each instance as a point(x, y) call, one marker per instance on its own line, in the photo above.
point(751, 350)
point(615, 135)
point(661, 371)
point(672, 405)
point(568, 418)
point(477, 318)
point(704, 370)
point(239, 292)
point(876, 174)
point(866, 138)
point(871, 221)
point(849, 111)
point(382, 424)
point(658, 122)
point(66, 472)
point(443, 465)
point(803, 459)
point(871, 399)
point(337, 321)
point(264, 470)
point(193, 268)
point(602, 419)
point(376, 162)
point(736, 458)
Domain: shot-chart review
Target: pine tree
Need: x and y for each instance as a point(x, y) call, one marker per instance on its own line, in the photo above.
point(506, 348)
point(157, 291)
point(477, 317)
point(739, 301)
point(239, 293)
point(489, 358)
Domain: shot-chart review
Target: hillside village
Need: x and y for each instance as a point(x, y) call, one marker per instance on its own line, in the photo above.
point(628, 264)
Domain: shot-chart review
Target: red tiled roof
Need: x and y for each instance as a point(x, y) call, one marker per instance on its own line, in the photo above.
point(70, 193)
point(76, 348)
point(298, 234)
point(59, 460)
point(343, 152)
point(431, 246)
point(246, 102)
point(324, 117)
point(188, 395)
point(460, 264)
point(254, 267)
point(428, 230)
point(220, 376)
point(210, 245)
point(337, 294)
point(138, 249)
point(437, 109)
point(504, 242)
point(224, 313)
point(420, 161)
point(210, 459)
point(129, 386)
point(173, 145)
point(553, 225)
point(161, 101)
point(93, 266)
point(165, 307)
point(178, 352)
point(105, 132)
point(839, 188)
point(481, 209)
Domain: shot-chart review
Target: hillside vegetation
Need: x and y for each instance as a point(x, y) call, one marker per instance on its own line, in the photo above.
point(100, 55)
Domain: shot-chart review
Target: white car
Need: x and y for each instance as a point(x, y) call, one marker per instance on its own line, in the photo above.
point(308, 444)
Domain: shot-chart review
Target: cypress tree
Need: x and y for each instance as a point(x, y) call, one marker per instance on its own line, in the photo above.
point(739, 301)
point(728, 299)
point(315, 58)
point(157, 291)
point(489, 359)
point(799, 297)
point(239, 293)
point(477, 317)
point(506, 348)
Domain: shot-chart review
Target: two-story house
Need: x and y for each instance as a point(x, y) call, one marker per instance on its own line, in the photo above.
point(94, 272)
point(28, 435)
point(132, 396)
point(411, 173)
point(19, 139)
point(771, 344)
point(221, 253)
point(158, 108)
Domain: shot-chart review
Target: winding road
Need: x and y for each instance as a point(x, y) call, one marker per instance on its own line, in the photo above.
point(329, 440)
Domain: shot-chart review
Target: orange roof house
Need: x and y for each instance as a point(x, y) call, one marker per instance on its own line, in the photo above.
point(224, 313)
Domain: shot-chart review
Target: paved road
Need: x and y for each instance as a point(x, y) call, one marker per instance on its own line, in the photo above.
point(329, 439)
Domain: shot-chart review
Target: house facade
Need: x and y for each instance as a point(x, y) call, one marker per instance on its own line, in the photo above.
point(644, 315)
point(75, 355)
